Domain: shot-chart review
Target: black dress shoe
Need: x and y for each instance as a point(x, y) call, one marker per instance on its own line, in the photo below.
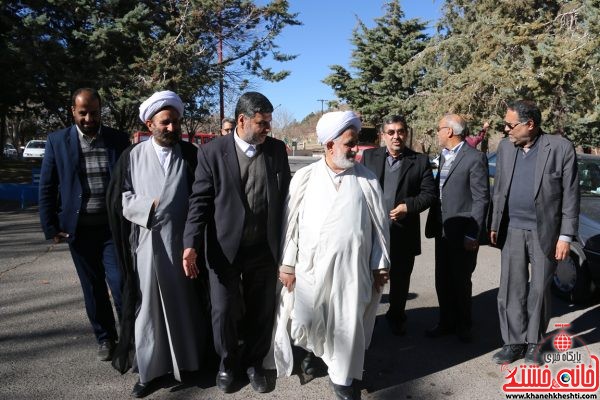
point(533, 355)
point(438, 331)
point(397, 326)
point(509, 353)
point(257, 379)
point(308, 364)
point(105, 350)
point(342, 392)
point(225, 381)
point(141, 389)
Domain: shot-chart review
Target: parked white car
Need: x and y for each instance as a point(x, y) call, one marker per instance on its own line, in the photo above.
point(34, 150)
point(10, 151)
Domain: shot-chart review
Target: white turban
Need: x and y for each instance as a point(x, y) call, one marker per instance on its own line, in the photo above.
point(158, 101)
point(333, 124)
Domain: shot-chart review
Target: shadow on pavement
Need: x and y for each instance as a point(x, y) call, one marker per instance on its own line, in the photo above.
point(393, 360)
point(585, 327)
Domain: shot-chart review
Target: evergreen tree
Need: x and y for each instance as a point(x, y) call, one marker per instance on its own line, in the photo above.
point(379, 83)
point(128, 49)
point(490, 52)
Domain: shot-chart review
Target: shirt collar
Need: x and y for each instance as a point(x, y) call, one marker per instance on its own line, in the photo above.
point(241, 143)
point(160, 149)
point(454, 150)
point(533, 145)
point(332, 173)
point(88, 139)
point(398, 157)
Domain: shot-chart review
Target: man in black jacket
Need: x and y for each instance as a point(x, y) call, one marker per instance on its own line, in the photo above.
point(408, 190)
point(235, 214)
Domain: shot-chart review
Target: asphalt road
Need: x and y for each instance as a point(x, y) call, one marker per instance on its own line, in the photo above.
point(47, 350)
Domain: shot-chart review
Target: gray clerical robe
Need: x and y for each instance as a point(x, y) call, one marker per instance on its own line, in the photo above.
point(167, 331)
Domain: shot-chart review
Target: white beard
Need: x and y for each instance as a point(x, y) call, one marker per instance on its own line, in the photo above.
point(340, 161)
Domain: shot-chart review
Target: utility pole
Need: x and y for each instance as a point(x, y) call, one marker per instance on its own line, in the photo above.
point(221, 74)
point(322, 101)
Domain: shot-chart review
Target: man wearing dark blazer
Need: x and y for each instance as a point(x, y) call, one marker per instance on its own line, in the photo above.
point(457, 221)
point(535, 216)
point(408, 190)
point(75, 173)
point(234, 219)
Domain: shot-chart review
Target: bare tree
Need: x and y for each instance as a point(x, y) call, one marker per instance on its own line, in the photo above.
point(282, 121)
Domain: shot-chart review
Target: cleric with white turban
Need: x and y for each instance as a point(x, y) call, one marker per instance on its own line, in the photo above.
point(333, 124)
point(150, 189)
point(333, 266)
point(157, 102)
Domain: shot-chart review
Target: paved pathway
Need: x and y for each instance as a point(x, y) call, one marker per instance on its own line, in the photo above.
point(47, 350)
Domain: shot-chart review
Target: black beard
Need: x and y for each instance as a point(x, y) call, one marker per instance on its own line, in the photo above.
point(166, 139)
point(89, 131)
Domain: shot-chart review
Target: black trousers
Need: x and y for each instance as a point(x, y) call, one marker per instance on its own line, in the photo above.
point(400, 270)
point(93, 254)
point(453, 269)
point(247, 285)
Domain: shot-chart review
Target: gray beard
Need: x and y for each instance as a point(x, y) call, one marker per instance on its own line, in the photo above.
point(342, 162)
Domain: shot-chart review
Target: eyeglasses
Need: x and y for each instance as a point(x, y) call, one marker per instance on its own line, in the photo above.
point(439, 128)
point(392, 132)
point(513, 126)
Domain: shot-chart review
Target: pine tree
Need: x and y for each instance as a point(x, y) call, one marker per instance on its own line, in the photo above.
point(128, 49)
point(379, 83)
point(490, 52)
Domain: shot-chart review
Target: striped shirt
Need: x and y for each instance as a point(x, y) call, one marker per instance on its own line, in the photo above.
point(94, 173)
point(448, 157)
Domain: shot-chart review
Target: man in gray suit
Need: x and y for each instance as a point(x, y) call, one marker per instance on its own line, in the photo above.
point(535, 216)
point(457, 221)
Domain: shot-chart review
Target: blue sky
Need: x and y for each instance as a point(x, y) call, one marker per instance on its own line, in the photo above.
point(324, 40)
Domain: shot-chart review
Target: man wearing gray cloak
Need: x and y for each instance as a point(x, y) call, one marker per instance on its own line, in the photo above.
point(335, 258)
point(154, 182)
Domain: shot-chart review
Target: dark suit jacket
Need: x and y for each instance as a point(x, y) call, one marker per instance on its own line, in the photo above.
point(415, 188)
point(465, 199)
point(556, 188)
point(60, 179)
point(216, 203)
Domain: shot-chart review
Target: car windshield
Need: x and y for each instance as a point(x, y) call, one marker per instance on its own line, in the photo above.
point(36, 145)
point(589, 176)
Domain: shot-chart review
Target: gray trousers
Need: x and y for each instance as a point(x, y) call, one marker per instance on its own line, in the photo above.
point(524, 311)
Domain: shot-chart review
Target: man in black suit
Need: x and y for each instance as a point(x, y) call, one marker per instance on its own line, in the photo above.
point(457, 221)
point(235, 219)
point(77, 166)
point(408, 190)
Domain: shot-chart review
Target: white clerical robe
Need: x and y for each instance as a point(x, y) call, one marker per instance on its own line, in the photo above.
point(334, 239)
point(167, 324)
